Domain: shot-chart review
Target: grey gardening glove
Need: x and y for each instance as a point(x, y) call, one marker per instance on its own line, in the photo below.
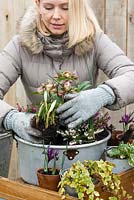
point(19, 122)
point(83, 105)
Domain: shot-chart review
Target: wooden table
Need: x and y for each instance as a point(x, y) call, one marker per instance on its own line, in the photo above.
point(14, 190)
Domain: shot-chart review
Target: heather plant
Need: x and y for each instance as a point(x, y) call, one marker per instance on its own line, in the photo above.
point(86, 132)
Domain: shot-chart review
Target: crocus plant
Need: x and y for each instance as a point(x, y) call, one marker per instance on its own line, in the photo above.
point(126, 120)
point(51, 154)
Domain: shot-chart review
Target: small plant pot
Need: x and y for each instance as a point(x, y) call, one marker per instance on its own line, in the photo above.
point(48, 181)
point(121, 165)
point(70, 191)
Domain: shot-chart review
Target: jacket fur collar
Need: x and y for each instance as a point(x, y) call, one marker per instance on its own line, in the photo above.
point(29, 38)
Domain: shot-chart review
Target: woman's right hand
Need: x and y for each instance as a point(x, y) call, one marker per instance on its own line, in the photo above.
point(19, 122)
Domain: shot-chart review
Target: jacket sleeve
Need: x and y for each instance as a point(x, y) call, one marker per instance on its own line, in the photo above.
point(118, 67)
point(10, 69)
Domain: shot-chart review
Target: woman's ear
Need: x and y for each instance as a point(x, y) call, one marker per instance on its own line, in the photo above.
point(37, 2)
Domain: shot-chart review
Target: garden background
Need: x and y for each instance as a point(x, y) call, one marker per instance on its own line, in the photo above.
point(116, 18)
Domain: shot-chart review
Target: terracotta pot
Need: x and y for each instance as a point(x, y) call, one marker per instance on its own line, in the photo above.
point(47, 181)
point(116, 137)
point(103, 194)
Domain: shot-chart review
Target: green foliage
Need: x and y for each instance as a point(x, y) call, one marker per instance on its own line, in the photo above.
point(123, 151)
point(52, 94)
point(83, 178)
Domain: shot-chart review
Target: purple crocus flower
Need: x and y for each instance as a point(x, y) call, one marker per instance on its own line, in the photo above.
point(127, 118)
point(52, 153)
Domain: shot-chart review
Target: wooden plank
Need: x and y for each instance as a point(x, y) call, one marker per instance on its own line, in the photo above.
point(6, 31)
point(98, 7)
point(14, 11)
point(27, 192)
point(4, 196)
point(115, 25)
point(19, 9)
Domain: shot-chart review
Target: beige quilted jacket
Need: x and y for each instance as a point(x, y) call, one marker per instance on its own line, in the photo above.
point(26, 56)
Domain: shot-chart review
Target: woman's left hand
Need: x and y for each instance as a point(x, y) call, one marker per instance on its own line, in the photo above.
point(83, 105)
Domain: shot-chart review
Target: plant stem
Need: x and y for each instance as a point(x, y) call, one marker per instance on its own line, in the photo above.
point(54, 166)
point(46, 162)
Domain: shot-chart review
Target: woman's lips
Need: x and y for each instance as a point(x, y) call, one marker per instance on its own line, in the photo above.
point(57, 26)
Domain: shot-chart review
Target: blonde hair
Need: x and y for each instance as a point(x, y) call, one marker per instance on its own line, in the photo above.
point(82, 23)
point(41, 27)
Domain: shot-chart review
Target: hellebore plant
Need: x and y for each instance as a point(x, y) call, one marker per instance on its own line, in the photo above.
point(53, 95)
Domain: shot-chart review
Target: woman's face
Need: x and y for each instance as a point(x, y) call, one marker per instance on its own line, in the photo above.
point(54, 14)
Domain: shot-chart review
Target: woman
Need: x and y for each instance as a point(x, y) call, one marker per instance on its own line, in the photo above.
point(63, 34)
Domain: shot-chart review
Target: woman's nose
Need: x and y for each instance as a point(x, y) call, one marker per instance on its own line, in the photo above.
point(56, 14)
